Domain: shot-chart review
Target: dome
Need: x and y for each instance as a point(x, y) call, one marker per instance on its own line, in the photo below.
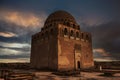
point(60, 17)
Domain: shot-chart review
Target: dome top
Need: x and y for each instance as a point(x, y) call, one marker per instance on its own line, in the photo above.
point(60, 17)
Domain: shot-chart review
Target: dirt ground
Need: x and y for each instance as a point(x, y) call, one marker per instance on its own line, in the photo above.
point(82, 76)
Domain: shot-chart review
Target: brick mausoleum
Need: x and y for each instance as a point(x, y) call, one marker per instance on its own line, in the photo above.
point(61, 45)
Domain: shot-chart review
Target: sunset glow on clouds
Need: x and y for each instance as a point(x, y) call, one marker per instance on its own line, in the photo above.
point(17, 60)
point(106, 59)
point(101, 51)
point(101, 55)
point(24, 19)
point(14, 45)
point(8, 34)
point(19, 19)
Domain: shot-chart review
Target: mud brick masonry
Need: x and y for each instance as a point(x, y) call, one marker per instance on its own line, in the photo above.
point(61, 45)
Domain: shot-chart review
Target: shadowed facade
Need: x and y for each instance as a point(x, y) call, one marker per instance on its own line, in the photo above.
point(61, 45)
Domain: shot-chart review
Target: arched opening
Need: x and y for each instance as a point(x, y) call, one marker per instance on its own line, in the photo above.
point(78, 64)
point(71, 33)
point(77, 34)
point(65, 31)
point(68, 24)
point(73, 25)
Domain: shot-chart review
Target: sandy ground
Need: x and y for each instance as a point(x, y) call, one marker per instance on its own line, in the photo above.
point(83, 76)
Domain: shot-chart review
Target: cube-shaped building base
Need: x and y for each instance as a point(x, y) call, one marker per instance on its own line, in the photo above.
point(61, 45)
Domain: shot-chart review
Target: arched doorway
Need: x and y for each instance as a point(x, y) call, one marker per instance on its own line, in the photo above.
point(78, 64)
point(77, 56)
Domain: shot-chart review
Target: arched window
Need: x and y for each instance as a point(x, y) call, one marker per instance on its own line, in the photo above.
point(68, 24)
point(77, 34)
point(65, 31)
point(73, 25)
point(71, 33)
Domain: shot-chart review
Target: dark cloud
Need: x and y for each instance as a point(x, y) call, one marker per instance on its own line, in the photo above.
point(78, 7)
point(35, 6)
point(14, 39)
point(106, 36)
point(13, 56)
point(23, 49)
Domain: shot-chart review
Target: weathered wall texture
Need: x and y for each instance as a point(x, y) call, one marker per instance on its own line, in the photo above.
point(44, 53)
point(69, 53)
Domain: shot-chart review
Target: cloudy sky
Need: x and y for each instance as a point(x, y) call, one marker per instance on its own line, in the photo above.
point(19, 19)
